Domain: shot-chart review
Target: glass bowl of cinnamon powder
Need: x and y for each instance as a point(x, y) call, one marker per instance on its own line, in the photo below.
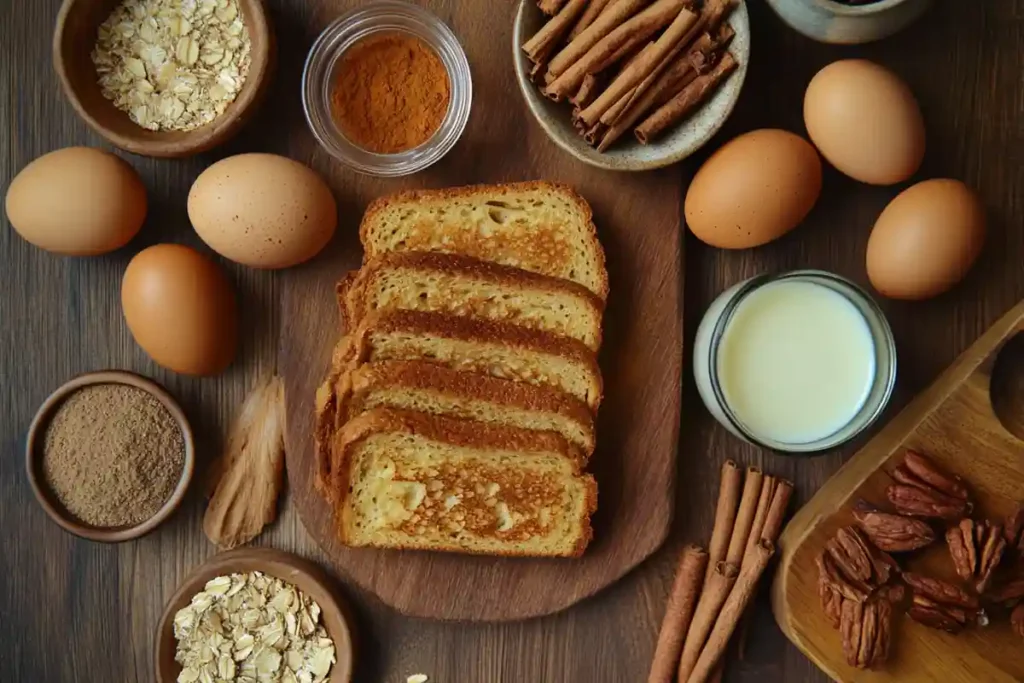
point(387, 89)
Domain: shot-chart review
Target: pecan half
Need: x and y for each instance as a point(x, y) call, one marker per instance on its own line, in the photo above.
point(832, 605)
point(884, 632)
point(933, 615)
point(962, 549)
point(894, 533)
point(1017, 620)
point(991, 548)
point(848, 588)
point(868, 635)
point(866, 631)
point(851, 625)
point(918, 502)
point(926, 471)
point(939, 591)
point(851, 554)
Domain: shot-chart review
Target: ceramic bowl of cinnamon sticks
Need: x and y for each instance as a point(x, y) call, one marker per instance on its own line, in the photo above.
point(631, 85)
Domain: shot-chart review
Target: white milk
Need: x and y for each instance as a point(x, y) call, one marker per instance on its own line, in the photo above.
point(795, 363)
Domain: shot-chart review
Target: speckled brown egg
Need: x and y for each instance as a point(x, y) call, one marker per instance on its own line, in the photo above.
point(180, 308)
point(865, 121)
point(754, 189)
point(926, 239)
point(78, 201)
point(262, 210)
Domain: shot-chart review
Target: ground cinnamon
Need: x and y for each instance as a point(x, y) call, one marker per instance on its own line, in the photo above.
point(390, 94)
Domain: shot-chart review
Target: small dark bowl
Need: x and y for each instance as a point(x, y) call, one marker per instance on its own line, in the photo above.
point(73, 40)
point(301, 573)
point(34, 458)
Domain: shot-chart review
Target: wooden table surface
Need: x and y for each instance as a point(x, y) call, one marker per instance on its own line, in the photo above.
point(71, 610)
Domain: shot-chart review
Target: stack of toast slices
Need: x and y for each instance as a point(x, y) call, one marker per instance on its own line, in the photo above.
point(458, 411)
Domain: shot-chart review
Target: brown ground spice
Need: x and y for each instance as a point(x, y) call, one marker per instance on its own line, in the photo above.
point(390, 93)
point(112, 455)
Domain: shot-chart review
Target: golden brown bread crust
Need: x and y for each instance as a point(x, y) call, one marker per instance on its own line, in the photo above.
point(351, 291)
point(471, 385)
point(414, 196)
point(458, 432)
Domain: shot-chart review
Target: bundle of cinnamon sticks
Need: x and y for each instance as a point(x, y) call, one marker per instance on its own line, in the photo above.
point(624, 65)
point(713, 588)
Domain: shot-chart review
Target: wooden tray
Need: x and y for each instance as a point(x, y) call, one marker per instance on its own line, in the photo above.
point(638, 221)
point(955, 423)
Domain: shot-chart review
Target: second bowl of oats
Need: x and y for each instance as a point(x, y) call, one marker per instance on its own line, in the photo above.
point(164, 78)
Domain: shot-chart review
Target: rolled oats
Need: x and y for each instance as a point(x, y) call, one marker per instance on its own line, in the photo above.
point(172, 64)
point(252, 628)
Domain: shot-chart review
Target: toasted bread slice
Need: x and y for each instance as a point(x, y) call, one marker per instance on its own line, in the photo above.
point(409, 480)
point(466, 286)
point(537, 226)
point(497, 349)
point(434, 389)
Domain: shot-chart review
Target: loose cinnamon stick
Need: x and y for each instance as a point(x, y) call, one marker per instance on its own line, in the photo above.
point(707, 21)
point(667, 42)
point(764, 501)
point(686, 101)
point(714, 595)
point(544, 41)
point(777, 511)
point(550, 7)
point(593, 11)
point(732, 609)
point(745, 516)
point(682, 602)
point(679, 74)
point(617, 13)
point(725, 514)
point(646, 23)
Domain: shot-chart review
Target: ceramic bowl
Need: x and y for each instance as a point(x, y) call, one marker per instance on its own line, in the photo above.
point(828, 21)
point(305, 575)
point(34, 457)
point(627, 154)
point(73, 41)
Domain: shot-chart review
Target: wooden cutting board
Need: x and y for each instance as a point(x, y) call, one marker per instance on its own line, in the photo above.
point(955, 423)
point(638, 221)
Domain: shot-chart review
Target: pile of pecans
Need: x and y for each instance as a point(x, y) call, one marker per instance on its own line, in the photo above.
point(859, 582)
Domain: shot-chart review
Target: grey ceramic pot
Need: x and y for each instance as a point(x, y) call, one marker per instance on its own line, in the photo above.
point(829, 21)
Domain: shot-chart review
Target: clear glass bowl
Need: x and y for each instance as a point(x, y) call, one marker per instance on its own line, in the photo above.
point(385, 16)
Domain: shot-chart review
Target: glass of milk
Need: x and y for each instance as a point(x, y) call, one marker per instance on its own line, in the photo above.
point(799, 362)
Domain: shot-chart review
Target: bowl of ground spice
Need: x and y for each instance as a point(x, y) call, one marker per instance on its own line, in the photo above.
point(109, 456)
point(387, 89)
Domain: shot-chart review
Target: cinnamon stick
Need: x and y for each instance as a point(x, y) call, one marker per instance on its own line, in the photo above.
point(618, 12)
point(668, 42)
point(594, 133)
point(593, 11)
point(646, 23)
point(587, 92)
point(708, 21)
point(682, 602)
point(543, 42)
point(714, 595)
point(725, 514)
point(686, 101)
point(764, 501)
point(777, 511)
point(734, 606)
point(745, 516)
point(550, 7)
point(680, 73)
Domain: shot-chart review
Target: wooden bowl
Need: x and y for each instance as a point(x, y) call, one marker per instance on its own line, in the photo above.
point(303, 574)
point(73, 41)
point(627, 154)
point(34, 458)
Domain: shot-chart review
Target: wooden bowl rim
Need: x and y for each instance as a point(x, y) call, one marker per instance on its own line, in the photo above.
point(205, 137)
point(306, 575)
point(33, 455)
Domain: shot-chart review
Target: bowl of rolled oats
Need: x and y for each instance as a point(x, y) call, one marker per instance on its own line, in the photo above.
point(164, 78)
point(255, 615)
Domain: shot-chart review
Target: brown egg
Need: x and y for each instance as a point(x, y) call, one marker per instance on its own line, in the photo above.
point(865, 121)
point(262, 210)
point(180, 308)
point(754, 189)
point(926, 239)
point(77, 201)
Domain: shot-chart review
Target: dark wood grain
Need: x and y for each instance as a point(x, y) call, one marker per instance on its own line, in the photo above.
point(953, 422)
point(637, 218)
point(71, 610)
